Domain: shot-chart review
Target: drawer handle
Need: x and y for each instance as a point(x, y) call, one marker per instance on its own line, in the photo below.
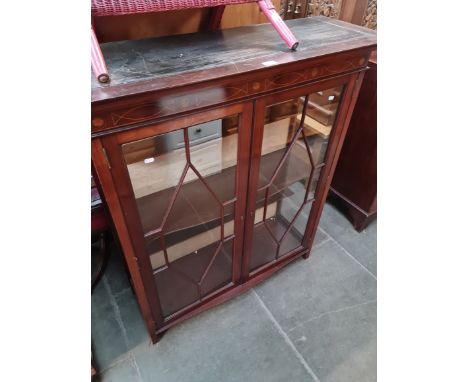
point(198, 130)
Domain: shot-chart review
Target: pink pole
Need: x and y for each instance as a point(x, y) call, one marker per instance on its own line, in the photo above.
point(269, 10)
point(97, 60)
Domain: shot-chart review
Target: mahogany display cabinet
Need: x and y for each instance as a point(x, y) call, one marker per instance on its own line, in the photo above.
point(215, 151)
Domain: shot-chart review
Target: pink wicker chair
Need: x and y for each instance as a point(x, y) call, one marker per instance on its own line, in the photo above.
point(122, 7)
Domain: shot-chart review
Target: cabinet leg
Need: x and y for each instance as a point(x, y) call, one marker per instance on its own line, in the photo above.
point(214, 18)
point(155, 338)
point(360, 222)
point(306, 255)
point(359, 218)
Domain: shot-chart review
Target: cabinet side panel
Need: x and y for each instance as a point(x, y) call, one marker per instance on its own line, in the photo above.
point(349, 100)
point(102, 170)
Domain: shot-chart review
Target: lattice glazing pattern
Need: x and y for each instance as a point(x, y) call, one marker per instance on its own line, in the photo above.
point(294, 144)
point(184, 185)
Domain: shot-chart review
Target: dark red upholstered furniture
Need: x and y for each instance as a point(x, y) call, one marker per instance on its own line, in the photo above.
point(100, 235)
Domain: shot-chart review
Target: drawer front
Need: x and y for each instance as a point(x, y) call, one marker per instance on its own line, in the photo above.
point(204, 132)
point(197, 134)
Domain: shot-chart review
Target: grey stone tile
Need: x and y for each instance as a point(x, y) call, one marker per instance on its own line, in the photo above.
point(236, 341)
point(116, 272)
point(340, 346)
point(99, 296)
point(131, 318)
point(333, 221)
point(359, 249)
point(107, 336)
point(327, 281)
point(370, 236)
point(319, 238)
point(123, 371)
point(362, 246)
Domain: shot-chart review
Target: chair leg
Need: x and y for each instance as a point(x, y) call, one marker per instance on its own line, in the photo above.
point(104, 254)
point(214, 18)
point(269, 11)
point(97, 60)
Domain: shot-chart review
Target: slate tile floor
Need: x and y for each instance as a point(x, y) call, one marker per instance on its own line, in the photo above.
point(313, 321)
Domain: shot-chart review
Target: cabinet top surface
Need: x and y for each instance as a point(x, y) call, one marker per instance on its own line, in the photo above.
point(139, 66)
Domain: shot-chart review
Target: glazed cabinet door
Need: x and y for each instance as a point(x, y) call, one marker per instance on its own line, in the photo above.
point(291, 138)
point(182, 186)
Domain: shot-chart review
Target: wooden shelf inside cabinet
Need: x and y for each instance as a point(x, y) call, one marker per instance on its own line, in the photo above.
point(221, 108)
point(265, 249)
point(178, 283)
point(206, 210)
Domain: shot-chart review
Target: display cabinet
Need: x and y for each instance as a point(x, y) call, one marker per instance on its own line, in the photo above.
point(214, 153)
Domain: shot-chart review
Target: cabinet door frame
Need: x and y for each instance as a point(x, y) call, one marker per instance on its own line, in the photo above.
point(351, 84)
point(111, 148)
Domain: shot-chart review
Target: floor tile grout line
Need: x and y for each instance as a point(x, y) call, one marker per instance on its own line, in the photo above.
point(331, 312)
point(125, 357)
point(121, 292)
point(286, 338)
point(135, 364)
point(345, 251)
point(314, 247)
point(116, 309)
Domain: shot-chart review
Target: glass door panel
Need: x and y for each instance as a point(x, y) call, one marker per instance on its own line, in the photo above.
point(294, 144)
point(184, 184)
